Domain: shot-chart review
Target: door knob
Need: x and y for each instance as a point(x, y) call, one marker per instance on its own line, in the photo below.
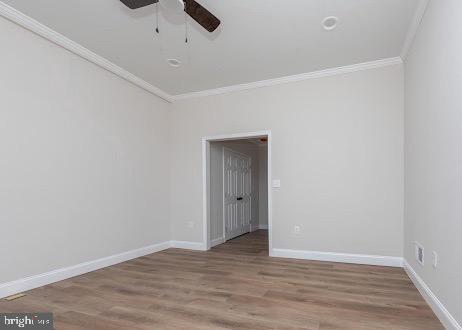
point(240, 198)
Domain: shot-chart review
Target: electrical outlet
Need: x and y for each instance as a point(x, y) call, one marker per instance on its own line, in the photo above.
point(296, 230)
point(276, 183)
point(435, 259)
point(190, 224)
point(419, 254)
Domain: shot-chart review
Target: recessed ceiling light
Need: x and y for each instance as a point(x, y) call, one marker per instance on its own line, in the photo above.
point(329, 23)
point(174, 62)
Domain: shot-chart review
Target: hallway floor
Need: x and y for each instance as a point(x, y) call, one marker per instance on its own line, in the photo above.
point(233, 286)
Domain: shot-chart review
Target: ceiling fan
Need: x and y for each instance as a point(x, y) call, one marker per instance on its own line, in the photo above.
point(198, 13)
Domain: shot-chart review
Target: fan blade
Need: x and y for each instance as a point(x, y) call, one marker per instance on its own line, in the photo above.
point(201, 15)
point(134, 4)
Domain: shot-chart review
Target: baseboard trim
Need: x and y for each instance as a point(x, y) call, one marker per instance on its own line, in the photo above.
point(264, 227)
point(438, 308)
point(32, 282)
point(338, 257)
point(217, 241)
point(188, 245)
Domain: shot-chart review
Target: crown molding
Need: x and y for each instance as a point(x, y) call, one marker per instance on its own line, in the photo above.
point(414, 28)
point(294, 78)
point(29, 23)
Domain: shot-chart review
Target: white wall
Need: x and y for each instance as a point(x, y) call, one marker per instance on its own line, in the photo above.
point(83, 159)
point(87, 170)
point(263, 185)
point(337, 148)
point(216, 183)
point(433, 146)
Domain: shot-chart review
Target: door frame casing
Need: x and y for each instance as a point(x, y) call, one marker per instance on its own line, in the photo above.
point(206, 239)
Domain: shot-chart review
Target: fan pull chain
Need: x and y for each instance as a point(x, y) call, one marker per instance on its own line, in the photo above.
point(186, 31)
point(157, 17)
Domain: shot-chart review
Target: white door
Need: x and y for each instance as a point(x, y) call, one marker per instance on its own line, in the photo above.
point(237, 193)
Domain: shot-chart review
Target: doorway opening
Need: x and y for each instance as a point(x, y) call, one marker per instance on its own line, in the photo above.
point(237, 189)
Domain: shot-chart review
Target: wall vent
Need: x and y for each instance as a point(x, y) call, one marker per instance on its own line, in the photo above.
point(419, 253)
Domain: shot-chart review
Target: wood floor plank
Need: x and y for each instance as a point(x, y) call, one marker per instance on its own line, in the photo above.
point(235, 285)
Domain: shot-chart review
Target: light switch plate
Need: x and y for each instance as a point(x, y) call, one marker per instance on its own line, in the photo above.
point(296, 230)
point(277, 183)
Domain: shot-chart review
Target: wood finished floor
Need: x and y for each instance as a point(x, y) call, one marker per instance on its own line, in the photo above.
point(233, 286)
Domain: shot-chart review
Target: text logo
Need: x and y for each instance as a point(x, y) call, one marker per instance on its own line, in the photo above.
point(43, 321)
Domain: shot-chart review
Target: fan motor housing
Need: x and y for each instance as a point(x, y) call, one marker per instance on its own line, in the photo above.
point(134, 4)
point(200, 14)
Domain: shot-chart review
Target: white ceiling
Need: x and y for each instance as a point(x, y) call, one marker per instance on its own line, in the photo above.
point(257, 40)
